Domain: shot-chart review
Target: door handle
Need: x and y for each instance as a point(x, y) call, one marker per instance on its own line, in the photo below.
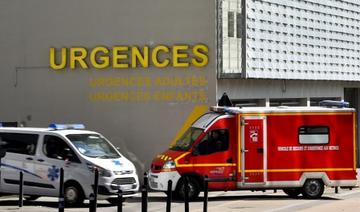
point(260, 150)
point(29, 158)
point(40, 160)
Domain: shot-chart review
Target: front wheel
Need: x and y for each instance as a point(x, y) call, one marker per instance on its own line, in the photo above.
point(313, 189)
point(193, 191)
point(73, 195)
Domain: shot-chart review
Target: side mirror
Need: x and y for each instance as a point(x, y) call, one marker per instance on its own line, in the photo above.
point(68, 153)
point(2, 153)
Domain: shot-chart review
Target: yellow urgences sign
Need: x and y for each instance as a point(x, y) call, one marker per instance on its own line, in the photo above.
point(125, 57)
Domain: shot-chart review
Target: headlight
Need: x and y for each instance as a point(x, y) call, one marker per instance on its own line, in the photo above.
point(169, 166)
point(102, 172)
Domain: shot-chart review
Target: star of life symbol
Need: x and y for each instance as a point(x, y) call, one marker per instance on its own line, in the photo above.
point(117, 162)
point(53, 173)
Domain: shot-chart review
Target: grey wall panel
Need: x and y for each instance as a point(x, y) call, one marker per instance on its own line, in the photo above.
point(34, 94)
point(295, 39)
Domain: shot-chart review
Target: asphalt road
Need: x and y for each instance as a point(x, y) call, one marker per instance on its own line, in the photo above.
point(345, 200)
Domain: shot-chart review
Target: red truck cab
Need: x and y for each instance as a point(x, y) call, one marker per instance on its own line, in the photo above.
point(297, 149)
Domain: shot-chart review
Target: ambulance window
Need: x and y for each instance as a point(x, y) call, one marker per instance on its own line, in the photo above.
point(314, 135)
point(57, 148)
point(214, 141)
point(19, 143)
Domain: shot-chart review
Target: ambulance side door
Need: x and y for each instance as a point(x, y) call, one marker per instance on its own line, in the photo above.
point(53, 156)
point(20, 155)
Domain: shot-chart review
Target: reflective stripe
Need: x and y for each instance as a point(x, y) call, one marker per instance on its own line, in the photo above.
point(20, 169)
point(300, 170)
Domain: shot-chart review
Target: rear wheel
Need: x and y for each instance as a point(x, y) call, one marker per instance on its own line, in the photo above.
point(292, 192)
point(193, 191)
point(313, 189)
point(173, 193)
point(73, 195)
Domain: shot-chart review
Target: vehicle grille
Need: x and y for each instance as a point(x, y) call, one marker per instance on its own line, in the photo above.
point(122, 181)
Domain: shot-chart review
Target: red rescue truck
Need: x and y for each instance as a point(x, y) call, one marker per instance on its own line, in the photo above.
point(297, 149)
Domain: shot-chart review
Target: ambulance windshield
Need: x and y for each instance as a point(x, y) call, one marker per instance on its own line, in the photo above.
point(185, 142)
point(93, 145)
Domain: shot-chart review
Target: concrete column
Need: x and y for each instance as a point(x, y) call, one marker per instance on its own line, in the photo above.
point(267, 102)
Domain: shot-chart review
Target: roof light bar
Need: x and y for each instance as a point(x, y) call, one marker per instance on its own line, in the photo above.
point(67, 126)
point(331, 103)
point(8, 124)
point(220, 109)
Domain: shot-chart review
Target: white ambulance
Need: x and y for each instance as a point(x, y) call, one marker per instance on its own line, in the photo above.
point(40, 153)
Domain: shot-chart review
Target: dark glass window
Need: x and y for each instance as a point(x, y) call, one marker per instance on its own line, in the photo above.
point(57, 148)
point(239, 25)
point(314, 135)
point(20, 143)
point(214, 141)
point(231, 24)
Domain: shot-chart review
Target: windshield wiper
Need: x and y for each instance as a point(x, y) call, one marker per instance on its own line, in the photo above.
point(102, 156)
point(108, 156)
point(177, 148)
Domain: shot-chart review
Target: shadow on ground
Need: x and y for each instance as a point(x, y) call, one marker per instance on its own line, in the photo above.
point(162, 200)
point(47, 204)
point(232, 198)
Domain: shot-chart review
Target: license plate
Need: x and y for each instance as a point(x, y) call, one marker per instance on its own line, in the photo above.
point(126, 187)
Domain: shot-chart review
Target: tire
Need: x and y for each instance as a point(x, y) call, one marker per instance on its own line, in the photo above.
point(114, 201)
point(194, 189)
point(73, 194)
point(31, 198)
point(292, 192)
point(173, 193)
point(313, 189)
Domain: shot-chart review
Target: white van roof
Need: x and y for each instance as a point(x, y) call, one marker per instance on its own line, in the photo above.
point(37, 130)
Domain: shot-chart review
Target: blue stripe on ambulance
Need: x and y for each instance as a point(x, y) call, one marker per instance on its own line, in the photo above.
point(20, 169)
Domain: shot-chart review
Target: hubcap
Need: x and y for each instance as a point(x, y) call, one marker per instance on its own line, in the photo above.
point(71, 194)
point(313, 188)
point(191, 189)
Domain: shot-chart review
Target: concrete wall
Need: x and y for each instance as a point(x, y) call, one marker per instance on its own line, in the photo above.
point(36, 95)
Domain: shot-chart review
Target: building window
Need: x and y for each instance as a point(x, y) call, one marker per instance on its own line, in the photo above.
point(288, 102)
point(231, 24)
point(314, 135)
point(249, 102)
point(239, 25)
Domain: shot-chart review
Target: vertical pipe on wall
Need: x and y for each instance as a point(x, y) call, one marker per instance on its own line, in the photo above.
point(243, 39)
